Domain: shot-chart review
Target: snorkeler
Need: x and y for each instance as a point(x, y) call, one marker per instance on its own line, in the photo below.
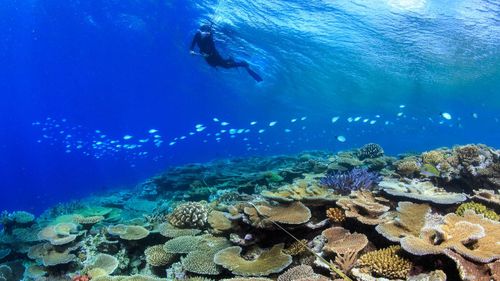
point(205, 41)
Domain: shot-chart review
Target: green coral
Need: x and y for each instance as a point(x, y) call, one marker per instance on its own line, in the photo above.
point(478, 209)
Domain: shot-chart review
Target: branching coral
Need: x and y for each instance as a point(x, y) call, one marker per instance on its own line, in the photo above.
point(335, 215)
point(386, 263)
point(355, 179)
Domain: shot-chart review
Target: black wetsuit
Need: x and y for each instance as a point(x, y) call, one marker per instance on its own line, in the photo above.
point(212, 56)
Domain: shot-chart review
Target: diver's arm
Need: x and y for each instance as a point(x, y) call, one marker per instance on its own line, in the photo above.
point(195, 41)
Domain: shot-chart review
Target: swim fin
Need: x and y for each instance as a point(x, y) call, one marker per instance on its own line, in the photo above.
point(254, 75)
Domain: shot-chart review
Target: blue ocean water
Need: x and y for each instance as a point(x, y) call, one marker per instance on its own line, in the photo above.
point(98, 95)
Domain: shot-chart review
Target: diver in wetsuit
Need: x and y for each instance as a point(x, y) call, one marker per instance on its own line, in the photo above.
point(205, 41)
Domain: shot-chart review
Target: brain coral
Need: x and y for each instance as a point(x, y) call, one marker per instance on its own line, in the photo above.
point(190, 215)
point(271, 261)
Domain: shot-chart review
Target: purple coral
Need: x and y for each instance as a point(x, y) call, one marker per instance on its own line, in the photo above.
point(345, 182)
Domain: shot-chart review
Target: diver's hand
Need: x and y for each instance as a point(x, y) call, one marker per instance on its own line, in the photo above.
point(192, 52)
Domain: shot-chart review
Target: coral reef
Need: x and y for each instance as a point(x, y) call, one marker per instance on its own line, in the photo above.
point(231, 220)
point(271, 261)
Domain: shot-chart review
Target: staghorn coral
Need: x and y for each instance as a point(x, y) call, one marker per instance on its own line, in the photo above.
point(478, 209)
point(271, 261)
point(157, 256)
point(365, 207)
point(190, 215)
point(470, 235)
point(346, 182)
point(335, 215)
point(370, 150)
point(423, 191)
point(409, 220)
point(386, 263)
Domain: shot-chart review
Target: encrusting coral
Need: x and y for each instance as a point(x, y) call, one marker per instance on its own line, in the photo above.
point(386, 263)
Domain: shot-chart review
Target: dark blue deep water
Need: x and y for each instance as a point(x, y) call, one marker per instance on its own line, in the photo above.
point(100, 94)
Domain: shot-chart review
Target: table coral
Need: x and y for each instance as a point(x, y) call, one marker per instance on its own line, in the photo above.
point(470, 235)
point(409, 220)
point(420, 190)
point(365, 207)
point(271, 261)
point(304, 190)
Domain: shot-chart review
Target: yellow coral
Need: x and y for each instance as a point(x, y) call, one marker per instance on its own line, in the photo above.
point(335, 215)
point(478, 209)
point(386, 263)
